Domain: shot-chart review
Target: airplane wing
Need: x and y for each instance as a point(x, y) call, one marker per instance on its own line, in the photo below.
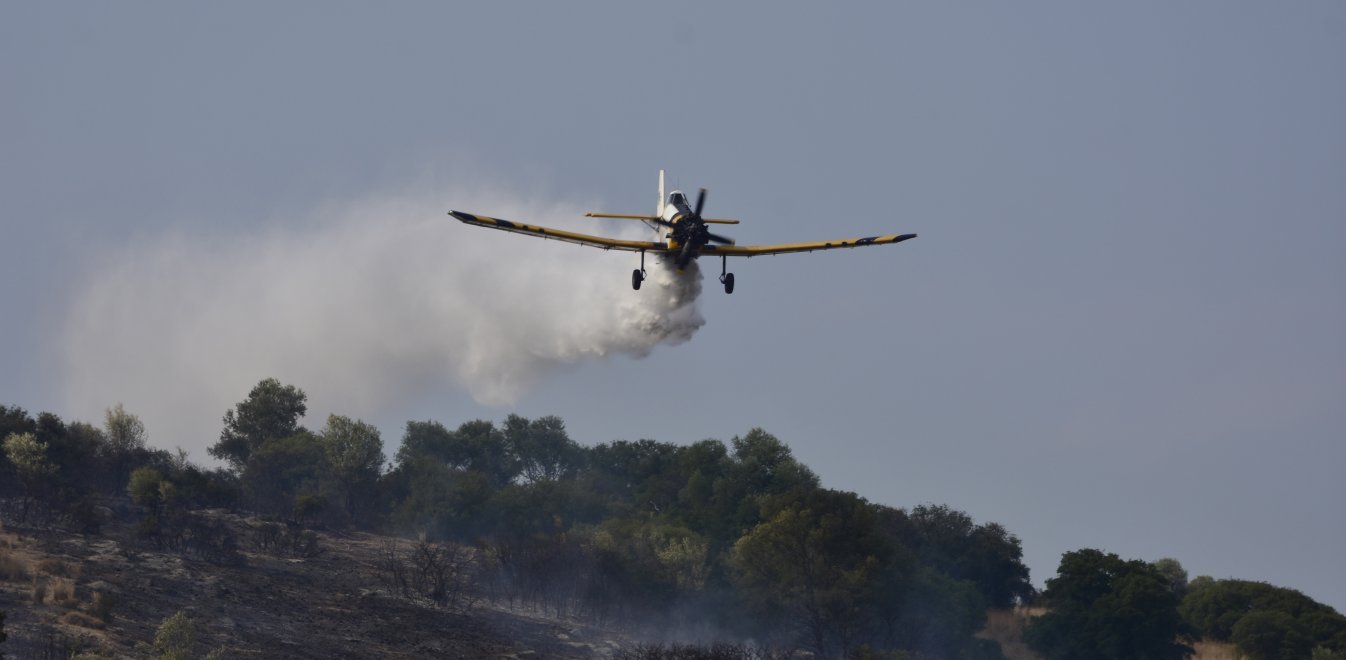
point(759, 250)
point(560, 234)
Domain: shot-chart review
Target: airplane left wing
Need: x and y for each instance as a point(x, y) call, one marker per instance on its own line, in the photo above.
point(759, 250)
point(560, 234)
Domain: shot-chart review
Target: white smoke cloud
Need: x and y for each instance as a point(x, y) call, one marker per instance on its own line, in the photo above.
point(360, 304)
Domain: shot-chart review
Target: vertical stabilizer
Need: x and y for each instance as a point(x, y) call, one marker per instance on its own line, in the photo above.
point(659, 210)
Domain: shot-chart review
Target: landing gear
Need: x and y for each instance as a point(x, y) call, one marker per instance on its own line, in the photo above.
point(726, 278)
point(638, 275)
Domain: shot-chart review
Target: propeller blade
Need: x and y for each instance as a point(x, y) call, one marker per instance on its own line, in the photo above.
point(720, 239)
point(700, 202)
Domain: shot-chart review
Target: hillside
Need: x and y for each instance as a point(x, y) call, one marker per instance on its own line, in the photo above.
point(108, 593)
point(527, 541)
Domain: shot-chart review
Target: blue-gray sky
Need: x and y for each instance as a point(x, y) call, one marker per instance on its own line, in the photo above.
point(1123, 325)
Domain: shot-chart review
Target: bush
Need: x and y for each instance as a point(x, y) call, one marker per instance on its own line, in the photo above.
point(102, 605)
point(12, 569)
point(175, 638)
point(82, 620)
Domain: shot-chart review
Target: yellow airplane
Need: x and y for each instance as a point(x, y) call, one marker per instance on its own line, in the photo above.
point(688, 239)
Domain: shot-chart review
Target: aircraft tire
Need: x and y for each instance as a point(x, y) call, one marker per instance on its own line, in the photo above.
point(636, 278)
point(728, 282)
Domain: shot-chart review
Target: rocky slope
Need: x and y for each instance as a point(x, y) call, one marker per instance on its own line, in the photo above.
point(106, 594)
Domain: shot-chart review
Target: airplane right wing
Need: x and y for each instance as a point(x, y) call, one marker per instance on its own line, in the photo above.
point(759, 250)
point(560, 234)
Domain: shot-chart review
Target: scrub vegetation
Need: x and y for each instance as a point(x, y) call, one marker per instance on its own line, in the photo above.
point(711, 549)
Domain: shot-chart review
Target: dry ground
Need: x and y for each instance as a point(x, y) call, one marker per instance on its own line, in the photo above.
point(107, 594)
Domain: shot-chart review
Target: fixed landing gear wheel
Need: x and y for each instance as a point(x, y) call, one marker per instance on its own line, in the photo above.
point(636, 278)
point(728, 280)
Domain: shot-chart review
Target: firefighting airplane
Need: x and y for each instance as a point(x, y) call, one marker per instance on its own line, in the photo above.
point(688, 239)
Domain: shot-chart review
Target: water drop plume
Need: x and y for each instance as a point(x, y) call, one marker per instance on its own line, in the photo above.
point(360, 303)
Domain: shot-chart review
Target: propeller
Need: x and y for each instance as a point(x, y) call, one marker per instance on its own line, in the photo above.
point(700, 204)
point(694, 233)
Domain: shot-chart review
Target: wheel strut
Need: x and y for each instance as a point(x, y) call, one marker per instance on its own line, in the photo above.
point(638, 276)
point(727, 279)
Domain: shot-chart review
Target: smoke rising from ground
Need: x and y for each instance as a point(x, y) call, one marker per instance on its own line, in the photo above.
point(359, 304)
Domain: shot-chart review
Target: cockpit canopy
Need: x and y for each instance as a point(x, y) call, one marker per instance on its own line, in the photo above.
point(676, 197)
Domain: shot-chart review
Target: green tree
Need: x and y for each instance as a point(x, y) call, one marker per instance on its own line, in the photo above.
point(282, 469)
point(13, 420)
point(1215, 608)
point(125, 432)
point(28, 456)
point(988, 554)
point(271, 412)
point(544, 450)
point(1105, 607)
point(148, 487)
point(355, 453)
point(819, 561)
point(176, 638)
point(1265, 635)
point(1172, 571)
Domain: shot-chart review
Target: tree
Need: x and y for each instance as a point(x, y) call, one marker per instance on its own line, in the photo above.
point(280, 470)
point(125, 433)
point(544, 449)
point(1172, 571)
point(28, 455)
point(1216, 607)
point(149, 488)
point(176, 638)
point(1105, 607)
point(817, 560)
point(988, 554)
point(355, 453)
point(1271, 635)
point(270, 412)
point(13, 420)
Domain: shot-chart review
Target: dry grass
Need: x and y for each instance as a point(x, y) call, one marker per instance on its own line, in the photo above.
point(14, 568)
point(39, 592)
point(57, 568)
point(102, 605)
point(1006, 627)
point(1215, 651)
point(77, 618)
point(63, 593)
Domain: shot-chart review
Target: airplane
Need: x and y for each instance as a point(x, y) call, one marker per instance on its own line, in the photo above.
point(687, 239)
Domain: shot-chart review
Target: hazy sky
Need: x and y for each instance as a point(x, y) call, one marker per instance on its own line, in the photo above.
point(1123, 325)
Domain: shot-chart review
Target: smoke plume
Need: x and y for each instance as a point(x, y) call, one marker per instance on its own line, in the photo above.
point(360, 304)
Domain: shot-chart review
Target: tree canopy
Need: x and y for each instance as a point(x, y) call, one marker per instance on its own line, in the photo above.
point(271, 412)
point(1105, 607)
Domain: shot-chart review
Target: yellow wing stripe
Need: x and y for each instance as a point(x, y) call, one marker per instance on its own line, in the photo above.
point(559, 234)
point(619, 215)
point(760, 250)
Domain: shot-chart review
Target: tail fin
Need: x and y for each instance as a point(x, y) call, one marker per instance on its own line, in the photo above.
point(659, 210)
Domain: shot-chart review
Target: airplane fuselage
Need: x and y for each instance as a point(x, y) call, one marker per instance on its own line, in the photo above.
point(685, 228)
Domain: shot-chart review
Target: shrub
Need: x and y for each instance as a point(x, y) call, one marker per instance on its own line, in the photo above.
point(175, 638)
point(39, 592)
point(12, 568)
point(102, 605)
point(63, 593)
point(57, 568)
point(77, 618)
